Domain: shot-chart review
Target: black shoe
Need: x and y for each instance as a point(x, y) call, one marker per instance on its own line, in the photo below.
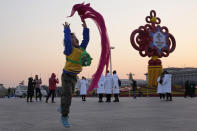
point(46, 101)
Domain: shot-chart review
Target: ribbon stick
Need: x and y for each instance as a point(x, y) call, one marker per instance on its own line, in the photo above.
point(85, 11)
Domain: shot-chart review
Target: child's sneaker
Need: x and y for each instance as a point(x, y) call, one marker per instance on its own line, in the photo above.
point(65, 121)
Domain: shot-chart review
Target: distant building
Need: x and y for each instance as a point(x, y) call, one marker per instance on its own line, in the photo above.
point(180, 75)
point(1, 86)
point(125, 82)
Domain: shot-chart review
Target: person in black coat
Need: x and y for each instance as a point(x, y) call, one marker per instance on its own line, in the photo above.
point(192, 89)
point(9, 91)
point(187, 86)
point(134, 86)
point(30, 91)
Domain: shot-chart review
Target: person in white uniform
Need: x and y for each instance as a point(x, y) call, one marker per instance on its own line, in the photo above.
point(108, 86)
point(83, 90)
point(116, 90)
point(167, 85)
point(101, 89)
point(160, 87)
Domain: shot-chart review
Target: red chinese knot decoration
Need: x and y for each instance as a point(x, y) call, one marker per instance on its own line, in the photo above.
point(152, 39)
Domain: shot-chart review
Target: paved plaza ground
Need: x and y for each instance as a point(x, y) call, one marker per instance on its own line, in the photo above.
point(141, 114)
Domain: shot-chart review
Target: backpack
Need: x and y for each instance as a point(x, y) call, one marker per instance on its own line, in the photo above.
point(85, 58)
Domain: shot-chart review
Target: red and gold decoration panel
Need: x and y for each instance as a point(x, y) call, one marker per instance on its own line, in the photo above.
point(154, 41)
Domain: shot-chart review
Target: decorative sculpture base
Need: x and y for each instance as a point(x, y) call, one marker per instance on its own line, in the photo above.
point(154, 71)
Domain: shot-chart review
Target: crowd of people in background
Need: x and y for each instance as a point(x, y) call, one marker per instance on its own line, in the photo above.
point(108, 85)
point(34, 86)
point(164, 87)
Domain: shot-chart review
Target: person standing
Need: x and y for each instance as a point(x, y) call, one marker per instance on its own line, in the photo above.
point(73, 67)
point(192, 88)
point(160, 87)
point(38, 82)
point(83, 88)
point(133, 84)
point(9, 91)
point(167, 85)
point(52, 87)
point(101, 89)
point(187, 86)
point(108, 86)
point(116, 90)
point(30, 90)
point(134, 87)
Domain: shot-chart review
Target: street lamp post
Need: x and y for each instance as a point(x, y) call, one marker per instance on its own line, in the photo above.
point(112, 47)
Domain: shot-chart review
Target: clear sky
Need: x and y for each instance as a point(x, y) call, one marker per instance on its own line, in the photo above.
point(31, 35)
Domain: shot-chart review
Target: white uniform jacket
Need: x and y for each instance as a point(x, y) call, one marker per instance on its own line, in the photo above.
point(108, 83)
point(83, 84)
point(160, 87)
point(167, 83)
point(101, 89)
point(115, 84)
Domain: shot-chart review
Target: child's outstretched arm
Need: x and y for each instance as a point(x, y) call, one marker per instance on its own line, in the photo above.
point(67, 39)
point(85, 40)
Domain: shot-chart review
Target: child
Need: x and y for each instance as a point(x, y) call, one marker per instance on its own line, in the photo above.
point(72, 67)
